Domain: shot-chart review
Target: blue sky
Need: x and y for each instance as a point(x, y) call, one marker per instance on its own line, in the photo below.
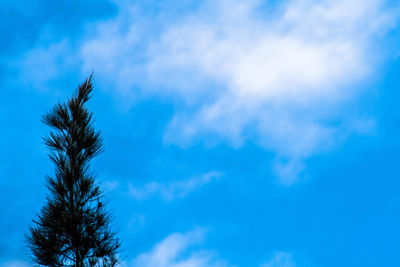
point(236, 133)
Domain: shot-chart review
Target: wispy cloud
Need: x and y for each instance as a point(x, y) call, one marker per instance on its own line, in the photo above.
point(276, 76)
point(184, 250)
point(282, 80)
point(173, 189)
point(42, 65)
point(176, 251)
point(280, 259)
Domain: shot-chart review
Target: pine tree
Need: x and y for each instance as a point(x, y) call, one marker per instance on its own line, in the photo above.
point(73, 228)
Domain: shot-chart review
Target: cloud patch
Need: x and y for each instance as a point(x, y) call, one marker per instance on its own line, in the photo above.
point(182, 250)
point(174, 189)
point(280, 259)
point(277, 78)
point(279, 75)
point(175, 251)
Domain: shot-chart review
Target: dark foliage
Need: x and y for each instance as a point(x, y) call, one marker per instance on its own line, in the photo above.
point(73, 229)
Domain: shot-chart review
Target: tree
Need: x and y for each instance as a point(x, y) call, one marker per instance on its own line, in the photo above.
point(73, 228)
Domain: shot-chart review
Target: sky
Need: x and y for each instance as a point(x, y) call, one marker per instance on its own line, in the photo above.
point(236, 133)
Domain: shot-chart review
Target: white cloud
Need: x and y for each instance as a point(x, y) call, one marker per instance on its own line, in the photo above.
point(241, 72)
point(44, 64)
point(175, 251)
point(277, 78)
point(173, 189)
point(183, 250)
point(280, 259)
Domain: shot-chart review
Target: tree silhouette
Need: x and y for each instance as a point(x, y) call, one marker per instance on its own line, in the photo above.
point(73, 228)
